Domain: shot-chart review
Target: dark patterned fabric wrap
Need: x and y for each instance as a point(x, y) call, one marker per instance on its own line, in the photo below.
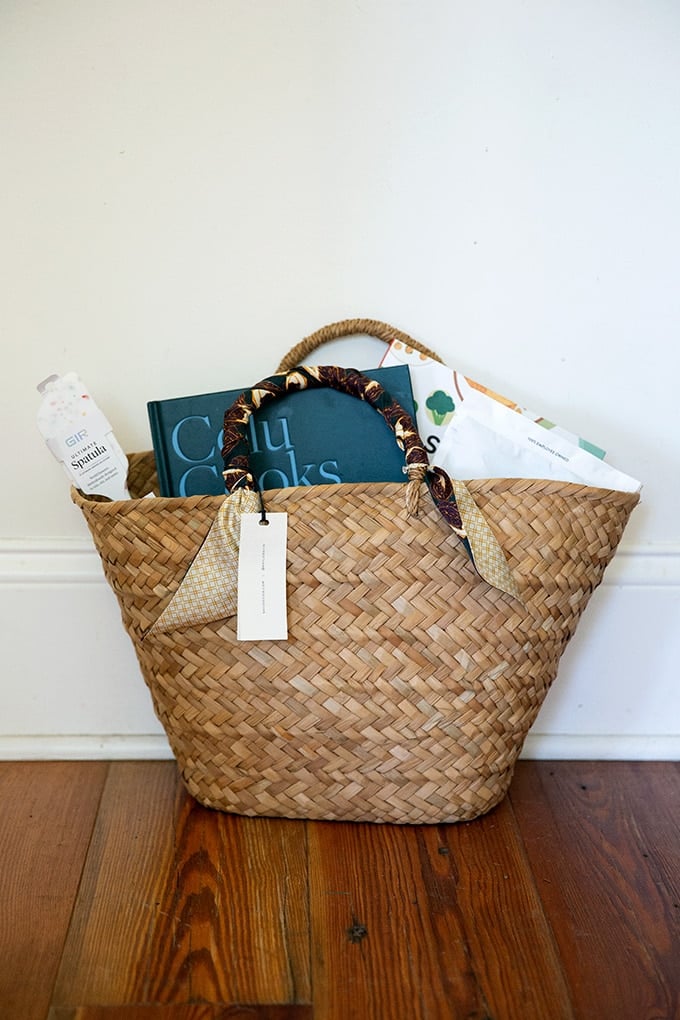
point(235, 449)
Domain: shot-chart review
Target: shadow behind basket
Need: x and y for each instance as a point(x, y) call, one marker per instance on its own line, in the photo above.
point(407, 686)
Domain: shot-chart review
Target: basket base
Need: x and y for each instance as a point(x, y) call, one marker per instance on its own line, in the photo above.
point(442, 807)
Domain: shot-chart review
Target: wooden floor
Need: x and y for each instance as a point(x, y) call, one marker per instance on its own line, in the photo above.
point(121, 898)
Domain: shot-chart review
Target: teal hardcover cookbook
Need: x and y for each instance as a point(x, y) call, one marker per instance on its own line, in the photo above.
point(313, 437)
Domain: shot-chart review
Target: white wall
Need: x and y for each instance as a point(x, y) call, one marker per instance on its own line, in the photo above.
point(189, 188)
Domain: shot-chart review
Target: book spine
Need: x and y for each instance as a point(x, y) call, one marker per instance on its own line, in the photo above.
point(160, 450)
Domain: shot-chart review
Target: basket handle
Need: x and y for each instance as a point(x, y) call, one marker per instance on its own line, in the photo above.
point(349, 327)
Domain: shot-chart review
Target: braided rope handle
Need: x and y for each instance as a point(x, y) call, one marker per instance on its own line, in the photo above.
point(349, 327)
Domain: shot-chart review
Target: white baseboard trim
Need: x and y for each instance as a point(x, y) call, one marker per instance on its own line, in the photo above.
point(75, 561)
point(49, 561)
point(58, 747)
point(152, 746)
point(601, 747)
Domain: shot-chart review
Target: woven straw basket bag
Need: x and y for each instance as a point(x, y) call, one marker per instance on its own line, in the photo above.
point(408, 683)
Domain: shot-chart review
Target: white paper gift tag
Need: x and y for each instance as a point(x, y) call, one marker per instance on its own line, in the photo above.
point(261, 606)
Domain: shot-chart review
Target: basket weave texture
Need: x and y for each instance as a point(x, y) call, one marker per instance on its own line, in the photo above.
point(407, 686)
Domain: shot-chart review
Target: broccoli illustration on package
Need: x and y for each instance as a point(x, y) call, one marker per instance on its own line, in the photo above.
point(440, 407)
point(434, 391)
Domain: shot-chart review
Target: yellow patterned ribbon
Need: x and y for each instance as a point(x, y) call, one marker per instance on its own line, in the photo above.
point(489, 558)
point(208, 590)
